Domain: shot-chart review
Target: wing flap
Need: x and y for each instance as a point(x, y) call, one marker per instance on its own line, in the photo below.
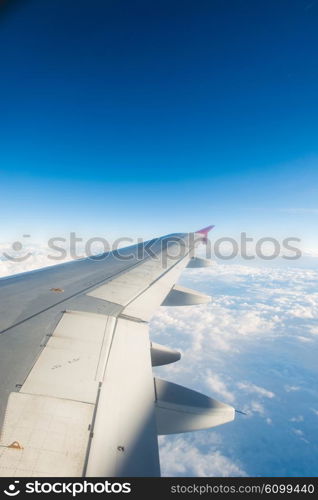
point(128, 285)
point(124, 441)
point(44, 436)
point(68, 365)
point(144, 306)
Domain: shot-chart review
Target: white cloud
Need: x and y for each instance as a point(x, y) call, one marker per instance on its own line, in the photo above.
point(30, 258)
point(299, 418)
point(310, 252)
point(247, 347)
point(313, 330)
point(298, 432)
point(255, 407)
point(303, 339)
point(180, 456)
point(217, 385)
point(252, 388)
point(291, 388)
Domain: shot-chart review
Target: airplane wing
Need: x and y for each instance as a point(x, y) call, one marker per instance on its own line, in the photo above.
point(77, 392)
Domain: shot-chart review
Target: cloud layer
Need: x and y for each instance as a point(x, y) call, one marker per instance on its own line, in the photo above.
point(255, 347)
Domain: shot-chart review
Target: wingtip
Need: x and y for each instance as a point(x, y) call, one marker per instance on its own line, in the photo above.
point(205, 230)
point(241, 412)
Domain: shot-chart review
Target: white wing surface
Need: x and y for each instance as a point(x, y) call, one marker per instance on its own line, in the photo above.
point(77, 392)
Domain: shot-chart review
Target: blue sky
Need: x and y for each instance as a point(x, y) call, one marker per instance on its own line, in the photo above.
point(143, 118)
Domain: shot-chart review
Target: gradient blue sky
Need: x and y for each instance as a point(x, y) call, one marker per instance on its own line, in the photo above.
point(143, 118)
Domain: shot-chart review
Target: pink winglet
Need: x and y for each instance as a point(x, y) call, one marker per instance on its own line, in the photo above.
point(205, 230)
